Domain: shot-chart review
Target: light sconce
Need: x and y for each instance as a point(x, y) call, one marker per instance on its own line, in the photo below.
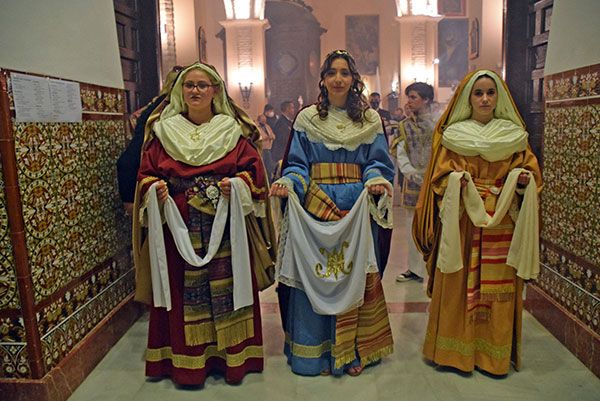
point(244, 9)
point(417, 8)
point(245, 91)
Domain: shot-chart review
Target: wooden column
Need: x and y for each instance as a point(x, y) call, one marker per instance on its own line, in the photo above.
point(17, 233)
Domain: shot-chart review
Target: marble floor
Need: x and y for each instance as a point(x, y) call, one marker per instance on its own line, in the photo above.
point(549, 372)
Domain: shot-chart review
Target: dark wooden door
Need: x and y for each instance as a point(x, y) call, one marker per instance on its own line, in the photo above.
point(137, 35)
point(527, 28)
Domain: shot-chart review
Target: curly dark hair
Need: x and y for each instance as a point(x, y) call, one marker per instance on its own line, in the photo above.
point(356, 103)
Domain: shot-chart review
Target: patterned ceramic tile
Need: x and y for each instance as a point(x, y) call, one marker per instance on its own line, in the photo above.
point(575, 287)
point(572, 177)
point(68, 186)
point(77, 236)
point(102, 100)
point(571, 196)
point(14, 360)
point(63, 337)
point(9, 297)
point(572, 84)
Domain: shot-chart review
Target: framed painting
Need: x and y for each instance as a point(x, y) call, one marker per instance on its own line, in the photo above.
point(202, 45)
point(453, 51)
point(474, 39)
point(362, 41)
point(452, 8)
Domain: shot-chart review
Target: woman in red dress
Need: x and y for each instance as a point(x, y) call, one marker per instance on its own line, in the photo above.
point(197, 141)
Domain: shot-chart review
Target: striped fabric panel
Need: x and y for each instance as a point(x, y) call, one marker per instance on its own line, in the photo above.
point(374, 334)
point(496, 276)
point(335, 173)
point(320, 205)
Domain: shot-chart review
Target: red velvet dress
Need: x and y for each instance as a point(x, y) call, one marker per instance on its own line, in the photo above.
point(169, 353)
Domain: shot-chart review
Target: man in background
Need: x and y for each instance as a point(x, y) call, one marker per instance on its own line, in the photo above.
point(129, 161)
point(282, 129)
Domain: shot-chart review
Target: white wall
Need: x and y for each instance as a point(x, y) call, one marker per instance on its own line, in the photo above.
point(70, 39)
point(332, 16)
point(186, 35)
point(208, 14)
point(490, 16)
point(574, 34)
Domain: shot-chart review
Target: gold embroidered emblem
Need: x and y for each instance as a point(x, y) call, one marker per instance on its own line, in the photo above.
point(335, 263)
point(195, 136)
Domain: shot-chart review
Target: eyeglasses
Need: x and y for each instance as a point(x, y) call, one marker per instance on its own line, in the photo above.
point(201, 86)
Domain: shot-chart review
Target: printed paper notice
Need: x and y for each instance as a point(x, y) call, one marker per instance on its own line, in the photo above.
point(45, 100)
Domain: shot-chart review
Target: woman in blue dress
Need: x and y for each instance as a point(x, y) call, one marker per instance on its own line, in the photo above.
point(336, 150)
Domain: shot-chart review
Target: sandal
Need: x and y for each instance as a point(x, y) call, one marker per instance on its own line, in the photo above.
point(354, 371)
point(325, 372)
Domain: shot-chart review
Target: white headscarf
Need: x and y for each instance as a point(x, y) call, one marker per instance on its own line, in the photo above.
point(496, 140)
point(198, 145)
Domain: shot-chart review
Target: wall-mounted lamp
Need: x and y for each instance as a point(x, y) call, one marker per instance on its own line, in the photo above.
point(245, 91)
point(244, 9)
point(417, 8)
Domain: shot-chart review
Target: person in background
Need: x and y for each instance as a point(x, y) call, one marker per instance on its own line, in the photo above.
point(199, 147)
point(337, 149)
point(269, 112)
point(129, 161)
point(266, 137)
point(398, 114)
point(476, 223)
point(375, 102)
point(412, 148)
point(282, 129)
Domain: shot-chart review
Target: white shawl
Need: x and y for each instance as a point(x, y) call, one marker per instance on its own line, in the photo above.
point(307, 245)
point(523, 254)
point(241, 205)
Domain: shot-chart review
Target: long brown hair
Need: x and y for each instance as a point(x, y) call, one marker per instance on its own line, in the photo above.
point(356, 102)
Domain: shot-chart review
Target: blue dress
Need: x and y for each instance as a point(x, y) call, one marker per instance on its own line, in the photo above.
point(310, 336)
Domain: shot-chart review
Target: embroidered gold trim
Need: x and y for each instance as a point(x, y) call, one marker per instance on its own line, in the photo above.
point(250, 181)
point(197, 334)
point(146, 180)
point(302, 181)
point(308, 351)
point(199, 362)
point(469, 349)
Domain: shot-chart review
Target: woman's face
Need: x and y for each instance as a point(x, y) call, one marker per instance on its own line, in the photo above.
point(198, 90)
point(483, 99)
point(415, 102)
point(338, 81)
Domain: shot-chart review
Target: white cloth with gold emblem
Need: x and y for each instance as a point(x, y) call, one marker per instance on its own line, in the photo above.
point(330, 260)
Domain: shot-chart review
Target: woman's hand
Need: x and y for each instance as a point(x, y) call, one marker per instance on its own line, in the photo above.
point(162, 192)
point(278, 190)
point(378, 189)
point(523, 179)
point(463, 180)
point(128, 206)
point(225, 185)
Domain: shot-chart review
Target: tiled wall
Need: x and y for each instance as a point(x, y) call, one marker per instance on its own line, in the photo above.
point(570, 271)
point(77, 237)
